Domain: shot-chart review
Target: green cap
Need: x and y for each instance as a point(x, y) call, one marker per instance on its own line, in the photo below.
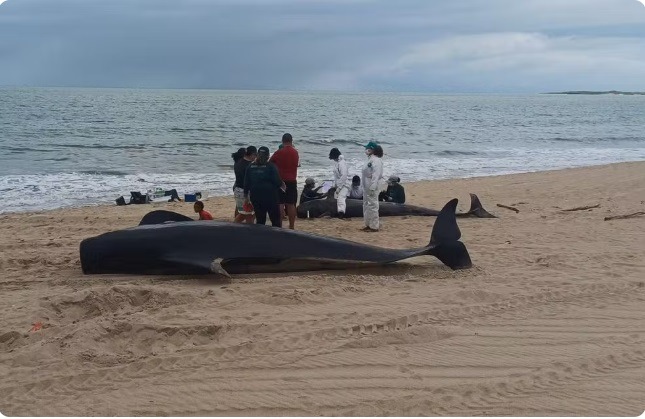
point(371, 145)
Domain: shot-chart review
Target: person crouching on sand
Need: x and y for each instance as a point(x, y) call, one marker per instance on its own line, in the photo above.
point(203, 214)
point(356, 191)
point(395, 191)
point(310, 191)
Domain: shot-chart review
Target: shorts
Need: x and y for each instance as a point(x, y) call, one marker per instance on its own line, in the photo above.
point(290, 196)
point(242, 208)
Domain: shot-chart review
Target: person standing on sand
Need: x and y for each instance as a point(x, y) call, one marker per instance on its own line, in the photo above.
point(261, 185)
point(239, 154)
point(340, 181)
point(282, 213)
point(287, 160)
point(244, 209)
point(372, 174)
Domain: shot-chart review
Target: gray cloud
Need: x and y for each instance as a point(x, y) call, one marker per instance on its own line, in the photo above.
point(443, 45)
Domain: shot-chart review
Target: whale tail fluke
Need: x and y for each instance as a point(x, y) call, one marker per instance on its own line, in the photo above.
point(477, 209)
point(444, 239)
point(452, 254)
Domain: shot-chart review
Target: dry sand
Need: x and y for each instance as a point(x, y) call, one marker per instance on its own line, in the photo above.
point(550, 321)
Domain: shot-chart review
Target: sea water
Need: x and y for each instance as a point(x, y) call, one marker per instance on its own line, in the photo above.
point(73, 147)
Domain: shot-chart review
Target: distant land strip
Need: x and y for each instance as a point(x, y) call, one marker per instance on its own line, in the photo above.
point(589, 92)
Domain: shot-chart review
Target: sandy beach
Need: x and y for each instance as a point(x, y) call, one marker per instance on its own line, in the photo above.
point(550, 321)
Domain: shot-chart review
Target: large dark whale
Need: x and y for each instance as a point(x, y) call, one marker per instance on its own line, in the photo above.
point(202, 247)
point(327, 206)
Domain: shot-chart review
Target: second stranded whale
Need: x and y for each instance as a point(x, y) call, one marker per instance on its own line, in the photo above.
point(327, 207)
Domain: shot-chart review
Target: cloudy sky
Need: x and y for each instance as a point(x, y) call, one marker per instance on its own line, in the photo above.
point(364, 45)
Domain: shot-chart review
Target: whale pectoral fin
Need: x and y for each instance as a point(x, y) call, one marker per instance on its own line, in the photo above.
point(217, 268)
point(184, 263)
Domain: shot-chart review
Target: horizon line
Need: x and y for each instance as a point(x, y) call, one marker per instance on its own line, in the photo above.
point(294, 90)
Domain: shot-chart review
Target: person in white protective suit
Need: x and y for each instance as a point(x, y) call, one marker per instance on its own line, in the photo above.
point(356, 191)
point(372, 185)
point(340, 180)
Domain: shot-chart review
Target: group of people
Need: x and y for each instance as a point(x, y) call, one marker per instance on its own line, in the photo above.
point(265, 185)
point(395, 192)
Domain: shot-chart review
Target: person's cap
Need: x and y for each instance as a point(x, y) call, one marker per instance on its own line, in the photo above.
point(250, 150)
point(287, 138)
point(263, 150)
point(394, 179)
point(310, 181)
point(371, 145)
point(334, 153)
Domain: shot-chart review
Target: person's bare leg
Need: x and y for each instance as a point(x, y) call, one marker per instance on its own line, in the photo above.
point(282, 212)
point(291, 212)
point(250, 219)
point(239, 218)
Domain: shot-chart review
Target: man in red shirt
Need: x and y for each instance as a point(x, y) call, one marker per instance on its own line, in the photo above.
point(286, 159)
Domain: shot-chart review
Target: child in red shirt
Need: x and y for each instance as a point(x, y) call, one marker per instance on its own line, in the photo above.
point(203, 214)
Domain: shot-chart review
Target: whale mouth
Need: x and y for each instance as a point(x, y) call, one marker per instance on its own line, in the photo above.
point(311, 265)
point(275, 265)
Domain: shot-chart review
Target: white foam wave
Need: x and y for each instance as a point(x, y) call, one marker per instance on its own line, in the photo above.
point(51, 191)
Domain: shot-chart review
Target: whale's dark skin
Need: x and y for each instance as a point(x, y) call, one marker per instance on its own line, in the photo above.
point(327, 207)
point(203, 247)
point(162, 216)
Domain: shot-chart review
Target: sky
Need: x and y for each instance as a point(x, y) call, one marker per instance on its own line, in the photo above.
point(442, 46)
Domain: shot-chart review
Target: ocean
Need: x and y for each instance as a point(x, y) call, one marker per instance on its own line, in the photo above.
point(62, 147)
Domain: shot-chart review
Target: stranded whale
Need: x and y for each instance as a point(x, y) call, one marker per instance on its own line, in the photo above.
point(202, 247)
point(162, 216)
point(327, 206)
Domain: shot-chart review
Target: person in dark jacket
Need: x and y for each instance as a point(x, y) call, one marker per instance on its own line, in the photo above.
point(243, 209)
point(261, 185)
point(237, 156)
point(395, 192)
point(310, 192)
